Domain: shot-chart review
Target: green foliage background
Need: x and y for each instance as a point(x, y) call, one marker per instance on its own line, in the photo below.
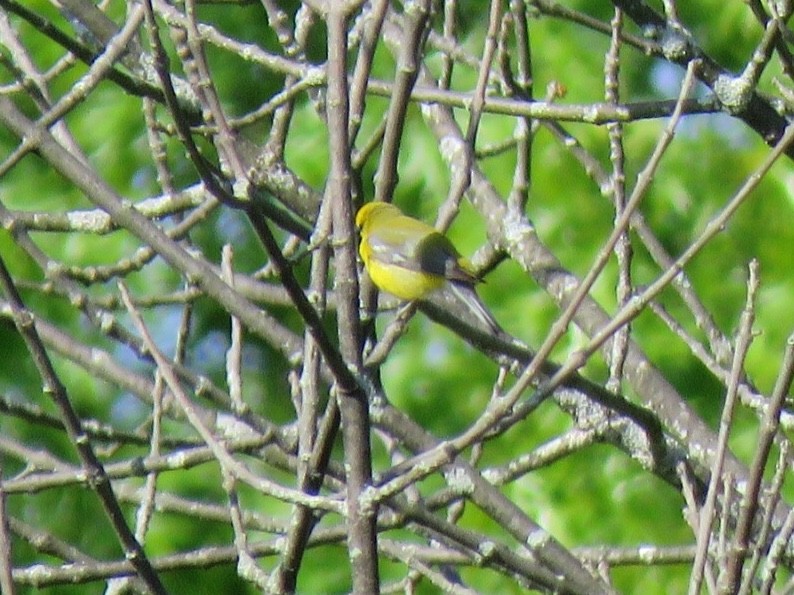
point(599, 495)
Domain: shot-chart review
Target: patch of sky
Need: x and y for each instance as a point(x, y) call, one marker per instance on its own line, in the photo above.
point(231, 226)
point(666, 79)
point(210, 350)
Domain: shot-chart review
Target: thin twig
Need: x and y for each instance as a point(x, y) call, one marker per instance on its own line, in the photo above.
point(100, 482)
point(706, 514)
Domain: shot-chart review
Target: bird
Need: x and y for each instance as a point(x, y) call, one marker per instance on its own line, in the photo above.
point(411, 260)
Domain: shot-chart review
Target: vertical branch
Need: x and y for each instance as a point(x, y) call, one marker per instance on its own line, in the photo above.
point(313, 453)
point(357, 99)
point(461, 176)
point(414, 33)
point(234, 355)
point(211, 104)
point(519, 193)
point(706, 516)
point(247, 567)
point(293, 47)
point(146, 510)
point(361, 519)
point(623, 250)
point(6, 579)
point(448, 63)
point(361, 72)
point(163, 69)
point(310, 376)
point(768, 530)
point(750, 499)
point(489, 50)
point(777, 553)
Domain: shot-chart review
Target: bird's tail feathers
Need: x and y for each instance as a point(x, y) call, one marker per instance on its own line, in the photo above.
point(469, 296)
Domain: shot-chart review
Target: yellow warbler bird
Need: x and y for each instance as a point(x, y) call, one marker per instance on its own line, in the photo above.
point(410, 259)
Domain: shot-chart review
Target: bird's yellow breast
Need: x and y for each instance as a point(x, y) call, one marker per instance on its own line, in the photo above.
point(401, 282)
